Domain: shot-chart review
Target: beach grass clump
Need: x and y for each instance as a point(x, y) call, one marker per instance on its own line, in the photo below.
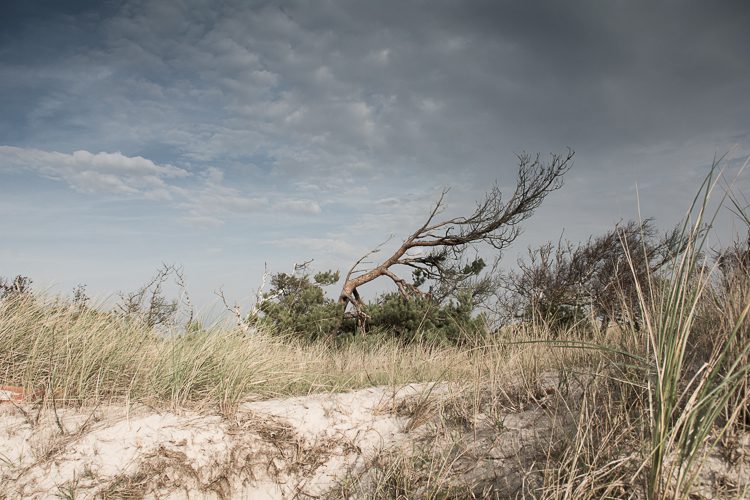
point(82, 355)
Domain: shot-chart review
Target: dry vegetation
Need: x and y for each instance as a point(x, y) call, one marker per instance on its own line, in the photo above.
point(84, 356)
point(655, 408)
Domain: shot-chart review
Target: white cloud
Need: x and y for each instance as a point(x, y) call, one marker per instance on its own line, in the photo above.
point(206, 200)
point(299, 206)
point(390, 202)
point(381, 57)
point(202, 221)
point(95, 172)
point(158, 195)
point(208, 204)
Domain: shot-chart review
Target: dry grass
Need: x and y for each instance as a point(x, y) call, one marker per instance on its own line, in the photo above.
point(658, 415)
point(599, 446)
point(85, 356)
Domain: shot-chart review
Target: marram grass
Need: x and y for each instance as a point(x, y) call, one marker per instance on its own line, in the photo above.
point(81, 355)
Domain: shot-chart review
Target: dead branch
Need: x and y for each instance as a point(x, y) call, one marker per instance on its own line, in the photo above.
point(241, 322)
point(148, 302)
point(184, 295)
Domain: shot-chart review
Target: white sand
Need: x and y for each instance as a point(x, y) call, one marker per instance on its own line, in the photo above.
point(300, 447)
point(283, 448)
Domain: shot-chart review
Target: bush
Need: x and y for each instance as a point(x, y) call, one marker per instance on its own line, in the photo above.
point(148, 304)
point(565, 284)
point(21, 285)
point(724, 310)
point(420, 318)
point(297, 304)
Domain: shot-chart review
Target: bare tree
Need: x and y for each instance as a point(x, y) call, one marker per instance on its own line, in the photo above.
point(597, 278)
point(148, 302)
point(438, 247)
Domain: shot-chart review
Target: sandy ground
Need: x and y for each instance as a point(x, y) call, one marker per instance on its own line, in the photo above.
point(314, 446)
point(283, 448)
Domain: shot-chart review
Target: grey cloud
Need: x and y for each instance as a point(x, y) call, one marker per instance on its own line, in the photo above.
point(588, 74)
point(585, 73)
point(387, 94)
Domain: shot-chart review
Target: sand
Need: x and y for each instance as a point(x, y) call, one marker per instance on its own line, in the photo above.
point(281, 448)
point(314, 446)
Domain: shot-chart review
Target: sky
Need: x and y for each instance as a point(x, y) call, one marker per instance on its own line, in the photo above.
point(227, 135)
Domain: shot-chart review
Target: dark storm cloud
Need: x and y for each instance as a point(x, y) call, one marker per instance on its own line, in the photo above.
point(345, 93)
point(445, 81)
point(41, 30)
point(591, 73)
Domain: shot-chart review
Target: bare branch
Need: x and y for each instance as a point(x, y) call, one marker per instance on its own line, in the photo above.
point(148, 303)
point(181, 283)
point(236, 312)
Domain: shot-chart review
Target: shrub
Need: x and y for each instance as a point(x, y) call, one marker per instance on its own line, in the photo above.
point(21, 285)
point(298, 305)
point(565, 284)
point(420, 318)
point(149, 305)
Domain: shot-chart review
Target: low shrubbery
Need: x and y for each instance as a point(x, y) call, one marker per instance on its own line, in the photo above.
point(297, 305)
point(421, 320)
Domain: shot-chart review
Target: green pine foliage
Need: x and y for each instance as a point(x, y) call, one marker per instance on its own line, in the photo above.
point(298, 305)
point(421, 319)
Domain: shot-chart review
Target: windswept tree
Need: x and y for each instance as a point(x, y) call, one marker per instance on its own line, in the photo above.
point(565, 283)
point(436, 250)
point(149, 303)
